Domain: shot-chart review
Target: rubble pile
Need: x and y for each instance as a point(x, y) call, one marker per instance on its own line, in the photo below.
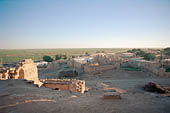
point(156, 88)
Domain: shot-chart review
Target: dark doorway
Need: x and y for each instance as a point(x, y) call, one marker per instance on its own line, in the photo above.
point(21, 74)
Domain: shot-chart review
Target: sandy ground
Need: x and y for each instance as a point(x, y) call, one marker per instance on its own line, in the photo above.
point(18, 96)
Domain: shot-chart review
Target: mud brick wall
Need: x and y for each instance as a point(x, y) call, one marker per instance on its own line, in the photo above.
point(25, 69)
point(65, 84)
point(98, 69)
point(153, 67)
point(104, 61)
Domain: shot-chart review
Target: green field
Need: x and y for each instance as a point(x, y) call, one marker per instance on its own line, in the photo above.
point(10, 56)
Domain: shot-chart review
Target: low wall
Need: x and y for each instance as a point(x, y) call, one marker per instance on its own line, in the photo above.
point(153, 67)
point(78, 65)
point(65, 84)
point(98, 69)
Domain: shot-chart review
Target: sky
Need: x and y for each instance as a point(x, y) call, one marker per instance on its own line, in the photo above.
point(34, 24)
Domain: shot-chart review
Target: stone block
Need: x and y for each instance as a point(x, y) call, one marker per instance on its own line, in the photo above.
point(112, 95)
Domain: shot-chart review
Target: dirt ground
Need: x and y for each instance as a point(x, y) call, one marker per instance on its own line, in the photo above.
point(18, 96)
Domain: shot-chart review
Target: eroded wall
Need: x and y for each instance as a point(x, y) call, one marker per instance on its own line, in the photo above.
point(25, 69)
point(65, 84)
point(149, 66)
point(96, 63)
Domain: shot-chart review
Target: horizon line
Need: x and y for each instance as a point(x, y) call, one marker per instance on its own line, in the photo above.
point(85, 48)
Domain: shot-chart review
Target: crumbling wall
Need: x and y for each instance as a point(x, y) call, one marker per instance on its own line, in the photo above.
point(96, 63)
point(25, 69)
point(53, 66)
point(166, 63)
point(70, 63)
point(29, 70)
point(65, 84)
point(163, 73)
point(76, 65)
point(98, 69)
point(106, 59)
point(56, 64)
point(150, 66)
point(79, 65)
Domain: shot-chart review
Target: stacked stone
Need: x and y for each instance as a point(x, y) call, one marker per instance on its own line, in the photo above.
point(0, 76)
point(4, 74)
point(80, 86)
point(28, 69)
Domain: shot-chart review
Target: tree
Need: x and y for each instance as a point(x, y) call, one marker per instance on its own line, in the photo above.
point(73, 56)
point(167, 51)
point(47, 58)
point(97, 51)
point(63, 57)
point(57, 57)
point(86, 53)
point(138, 52)
point(149, 56)
point(129, 51)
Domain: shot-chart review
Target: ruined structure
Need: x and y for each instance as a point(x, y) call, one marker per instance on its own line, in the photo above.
point(65, 84)
point(126, 56)
point(149, 66)
point(41, 64)
point(99, 62)
point(166, 63)
point(96, 63)
point(25, 69)
point(98, 69)
point(156, 88)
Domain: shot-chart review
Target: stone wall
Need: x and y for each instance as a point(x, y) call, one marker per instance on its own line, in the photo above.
point(106, 59)
point(95, 63)
point(25, 69)
point(149, 66)
point(65, 84)
point(100, 68)
point(166, 63)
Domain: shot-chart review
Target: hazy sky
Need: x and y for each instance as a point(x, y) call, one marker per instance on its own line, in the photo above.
point(84, 23)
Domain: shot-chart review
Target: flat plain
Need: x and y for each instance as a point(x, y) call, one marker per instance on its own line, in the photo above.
point(12, 55)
